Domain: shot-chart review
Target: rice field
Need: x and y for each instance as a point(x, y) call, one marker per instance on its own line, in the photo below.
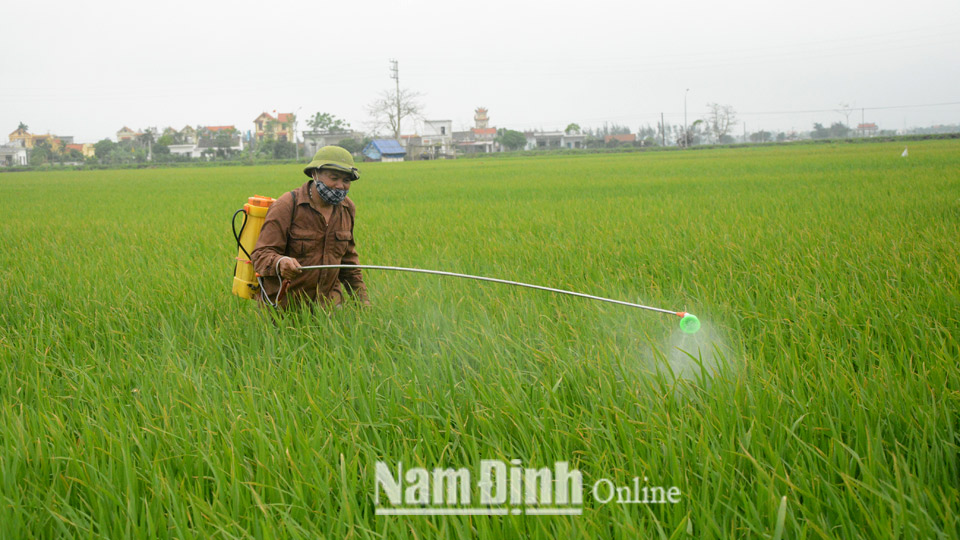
point(139, 399)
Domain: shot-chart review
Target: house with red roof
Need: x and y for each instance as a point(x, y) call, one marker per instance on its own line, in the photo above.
point(127, 134)
point(279, 128)
point(868, 129)
point(29, 140)
point(481, 138)
point(85, 149)
point(623, 138)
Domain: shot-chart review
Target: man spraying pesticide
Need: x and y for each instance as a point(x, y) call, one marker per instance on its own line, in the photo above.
point(305, 250)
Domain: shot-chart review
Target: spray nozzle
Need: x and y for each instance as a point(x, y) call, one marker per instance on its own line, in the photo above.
point(689, 323)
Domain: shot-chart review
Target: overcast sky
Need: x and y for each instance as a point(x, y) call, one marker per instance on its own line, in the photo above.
point(89, 68)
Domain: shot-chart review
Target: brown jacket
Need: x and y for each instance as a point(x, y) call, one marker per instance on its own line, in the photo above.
point(312, 241)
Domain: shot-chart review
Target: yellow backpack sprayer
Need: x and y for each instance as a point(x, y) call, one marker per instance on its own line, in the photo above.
point(245, 284)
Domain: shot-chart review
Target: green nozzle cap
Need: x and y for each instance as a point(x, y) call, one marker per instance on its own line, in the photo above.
point(690, 323)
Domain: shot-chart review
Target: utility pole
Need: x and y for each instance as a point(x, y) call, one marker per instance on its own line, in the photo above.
point(686, 142)
point(395, 75)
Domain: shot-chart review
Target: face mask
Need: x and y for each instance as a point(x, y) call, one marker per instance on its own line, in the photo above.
point(331, 196)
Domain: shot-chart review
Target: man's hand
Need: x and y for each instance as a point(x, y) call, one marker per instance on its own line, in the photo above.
point(289, 268)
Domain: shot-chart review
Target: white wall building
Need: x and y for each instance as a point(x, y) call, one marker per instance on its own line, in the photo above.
point(437, 137)
point(189, 150)
point(13, 154)
point(315, 140)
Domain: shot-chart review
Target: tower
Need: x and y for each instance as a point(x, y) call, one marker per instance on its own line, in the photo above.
point(480, 118)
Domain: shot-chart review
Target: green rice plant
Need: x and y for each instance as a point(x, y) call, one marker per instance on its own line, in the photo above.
point(820, 400)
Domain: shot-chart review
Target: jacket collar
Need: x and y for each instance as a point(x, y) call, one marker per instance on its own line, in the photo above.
point(306, 194)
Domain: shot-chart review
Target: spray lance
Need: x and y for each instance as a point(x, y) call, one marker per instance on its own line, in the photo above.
point(248, 284)
point(689, 323)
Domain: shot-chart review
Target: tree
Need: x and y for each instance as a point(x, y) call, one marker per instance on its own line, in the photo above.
point(511, 140)
point(265, 148)
point(648, 135)
point(284, 150)
point(690, 136)
point(761, 136)
point(846, 110)
point(664, 133)
point(350, 145)
point(292, 123)
point(392, 107)
point(42, 152)
point(102, 149)
point(148, 137)
point(270, 129)
point(223, 140)
point(720, 119)
point(121, 154)
point(23, 127)
point(838, 130)
point(609, 129)
point(327, 122)
point(161, 150)
point(572, 128)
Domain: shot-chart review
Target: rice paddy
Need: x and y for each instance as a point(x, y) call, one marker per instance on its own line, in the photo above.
point(820, 399)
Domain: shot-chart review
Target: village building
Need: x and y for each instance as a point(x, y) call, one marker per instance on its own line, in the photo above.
point(480, 138)
point(14, 154)
point(207, 141)
point(190, 150)
point(315, 140)
point(436, 142)
point(547, 140)
point(127, 134)
point(23, 137)
point(278, 129)
point(385, 150)
point(29, 140)
point(188, 135)
point(56, 144)
point(628, 138)
point(867, 130)
point(86, 149)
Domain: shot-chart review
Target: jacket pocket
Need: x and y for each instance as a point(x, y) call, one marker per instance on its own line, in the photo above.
point(302, 248)
point(342, 239)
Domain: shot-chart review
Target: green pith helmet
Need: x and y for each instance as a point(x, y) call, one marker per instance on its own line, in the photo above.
point(333, 157)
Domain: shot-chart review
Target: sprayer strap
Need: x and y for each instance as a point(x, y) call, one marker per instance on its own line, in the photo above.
point(293, 211)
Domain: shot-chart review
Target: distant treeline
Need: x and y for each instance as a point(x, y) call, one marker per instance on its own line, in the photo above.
point(627, 149)
point(247, 161)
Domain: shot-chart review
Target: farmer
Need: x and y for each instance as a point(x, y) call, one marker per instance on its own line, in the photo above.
point(313, 225)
